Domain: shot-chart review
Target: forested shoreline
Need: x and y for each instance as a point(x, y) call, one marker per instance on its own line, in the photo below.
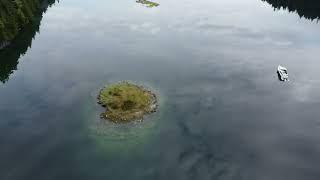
point(16, 14)
point(20, 43)
point(308, 9)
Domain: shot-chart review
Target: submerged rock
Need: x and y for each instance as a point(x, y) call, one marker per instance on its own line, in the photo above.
point(125, 102)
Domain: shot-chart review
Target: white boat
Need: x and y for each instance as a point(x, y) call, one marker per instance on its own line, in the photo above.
point(283, 73)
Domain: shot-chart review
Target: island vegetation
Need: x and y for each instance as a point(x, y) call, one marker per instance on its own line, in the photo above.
point(125, 101)
point(148, 3)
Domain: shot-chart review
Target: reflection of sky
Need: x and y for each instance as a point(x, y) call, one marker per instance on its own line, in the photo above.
point(251, 21)
point(216, 62)
point(238, 29)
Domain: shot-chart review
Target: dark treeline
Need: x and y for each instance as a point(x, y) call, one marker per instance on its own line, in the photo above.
point(10, 55)
point(15, 14)
point(309, 9)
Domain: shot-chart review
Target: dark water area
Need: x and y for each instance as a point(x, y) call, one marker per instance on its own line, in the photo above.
point(223, 112)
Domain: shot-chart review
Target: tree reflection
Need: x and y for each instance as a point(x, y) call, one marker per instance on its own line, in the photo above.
point(9, 56)
point(308, 9)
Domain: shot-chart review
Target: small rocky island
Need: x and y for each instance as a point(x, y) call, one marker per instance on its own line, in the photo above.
point(125, 102)
point(147, 3)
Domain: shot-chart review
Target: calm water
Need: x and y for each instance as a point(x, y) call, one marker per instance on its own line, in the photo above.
point(223, 113)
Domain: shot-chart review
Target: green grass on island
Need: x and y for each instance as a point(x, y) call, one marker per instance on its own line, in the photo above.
point(125, 102)
point(148, 3)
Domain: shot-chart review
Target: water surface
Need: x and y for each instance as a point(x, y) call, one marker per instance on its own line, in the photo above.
point(223, 114)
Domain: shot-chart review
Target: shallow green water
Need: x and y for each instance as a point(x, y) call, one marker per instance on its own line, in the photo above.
point(223, 114)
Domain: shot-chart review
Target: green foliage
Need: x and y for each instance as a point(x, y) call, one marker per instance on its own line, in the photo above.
point(147, 3)
point(126, 101)
point(14, 15)
point(9, 56)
